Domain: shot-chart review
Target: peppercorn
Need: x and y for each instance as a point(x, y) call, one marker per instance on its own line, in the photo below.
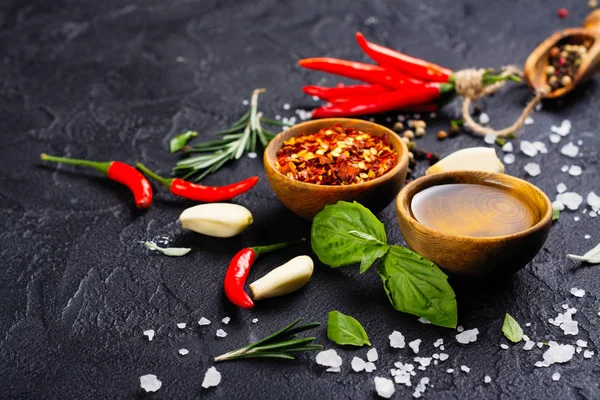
point(433, 158)
point(418, 124)
point(477, 110)
point(411, 145)
point(550, 70)
point(593, 3)
point(566, 80)
point(562, 13)
point(420, 132)
point(406, 140)
point(398, 127)
point(553, 79)
point(419, 154)
point(441, 135)
point(554, 52)
point(453, 131)
point(408, 134)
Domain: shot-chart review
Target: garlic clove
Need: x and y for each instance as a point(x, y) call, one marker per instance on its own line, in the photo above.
point(216, 219)
point(472, 159)
point(285, 279)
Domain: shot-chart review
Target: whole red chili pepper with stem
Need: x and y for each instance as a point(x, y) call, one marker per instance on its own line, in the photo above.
point(329, 93)
point(414, 67)
point(238, 270)
point(196, 192)
point(359, 71)
point(116, 171)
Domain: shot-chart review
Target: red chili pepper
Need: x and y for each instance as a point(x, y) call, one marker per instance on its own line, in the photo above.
point(411, 95)
point(196, 192)
point(238, 270)
point(415, 67)
point(116, 171)
point(359, 71)
point(328, 93)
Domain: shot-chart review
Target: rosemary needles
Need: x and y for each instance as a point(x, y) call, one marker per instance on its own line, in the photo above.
point(243, 136)
point(277, 345)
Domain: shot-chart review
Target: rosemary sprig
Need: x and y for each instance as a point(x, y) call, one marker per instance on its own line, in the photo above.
point(243, 136)
point(277, 345)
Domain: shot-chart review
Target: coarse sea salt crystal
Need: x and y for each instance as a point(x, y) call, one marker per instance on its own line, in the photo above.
point(526, 338)
point(555, 376)
point(286, 106)
point(397, 340)
point(372, 355)
point(565, 322)
point(184, 352)
point(221, 333)
point(384, 387)
point(540, 146)
point(203, 321)
point(370, 367)
point(564, 168)
point(149, 334)
point(571, 200)
point(414, 345)
point(484, 118)
point(490, 138)
point(557, 353)
point(587, 237)
point(533, 169)
point(424, 321)
point(528, 324)
point(252, 155)
point(588, 354)
point(254, 320)
point(333, 369)
point(438, 343)
point(358, 364)
point(564, 129)
point(577, 292)
point(592, 214)
point(329, 358)
point(569, 150)
point(487, 379)
point(181, 325)
point(467, 336)
point(450, 370)
point(528, 121)
point(593, 201)
point(421, 387)
point(508, 147)
point(575, 170)
point(561, 188)
point(557, 205)
point(528, 148)
point(579, 142)
point(465, 368)
point(504, 346)
point(460, 328)
point(554, 138)
point(575, 218)
point(245, 102)
point(443, 356)
point(509, 159)
point(212, 377)
point(226, 320)
point(150, 383)
point(424, 361)
point(581, 343)
point(528, 345)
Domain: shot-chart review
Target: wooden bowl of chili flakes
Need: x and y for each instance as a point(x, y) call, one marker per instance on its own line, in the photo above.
point(320, 162)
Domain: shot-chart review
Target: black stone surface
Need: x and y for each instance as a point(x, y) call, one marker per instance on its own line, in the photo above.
point(116, 80)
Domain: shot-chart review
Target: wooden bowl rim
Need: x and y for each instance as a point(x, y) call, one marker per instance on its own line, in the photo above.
point(417, 186)
point(402, 157)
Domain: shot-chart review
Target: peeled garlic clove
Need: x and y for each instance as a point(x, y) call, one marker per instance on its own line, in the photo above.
point(473, 159)
point(285, 279)
point(216, 219)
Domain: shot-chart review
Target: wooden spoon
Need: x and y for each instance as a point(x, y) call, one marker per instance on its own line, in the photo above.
point(536, 63)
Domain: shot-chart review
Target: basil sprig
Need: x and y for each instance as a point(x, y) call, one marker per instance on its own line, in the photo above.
point(348, 233)
point(346, 330)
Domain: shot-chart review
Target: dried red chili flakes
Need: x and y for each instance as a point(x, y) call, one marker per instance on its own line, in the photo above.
point(336, 156)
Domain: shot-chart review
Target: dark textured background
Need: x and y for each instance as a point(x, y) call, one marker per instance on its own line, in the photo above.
point(102, 80)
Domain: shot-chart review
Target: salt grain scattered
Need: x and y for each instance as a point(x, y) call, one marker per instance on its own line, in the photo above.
point(245, 102)
point(575, 170)
point(528, 324)
point(528, 345)
point(586, 237)
point(329, 358)
point(579, 142)
point(581, 343)
point(528, 148)
point(149, 334)
point(286, 106)
point(564, 129)
point(592, 214)
point(184, 352)
point(571, 200)
point(212, 377)
point(570, 150)
point(252, 155)
point(384, 387)
point(181, 325)
point(557, 353)
point(465, 368)
point(528, 121)
point(490, 138)
point(254, 320)
point(424, 361)
point(593, 200)
point(333, 369)
point(526, 338)
point(533, 169)
point(508, 147)
point(575, 219)
point(588, 354)
point(484, 118)
point(443, 356)
point(450, 370)
point(424, 321)
point(561, 188)
point(358, 364)
point(564, 168)
point(487, 379)
point(221, 333)
point(150, 383)
point(565, 322)
point(554, 138)
point(226, 320)
point(203, 321)
point(504, 346)
point(577, 292)
point(372, 355)
point(540, 146)
point(467, 336)
point(555, 376)
point(438, 343)
point(414, 345)
point(509, 159)
point(460, 328)
point(557, 205)
point(397, 340)
point(370, 367)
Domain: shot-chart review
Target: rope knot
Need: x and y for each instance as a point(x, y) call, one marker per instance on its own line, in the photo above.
point(469, 83)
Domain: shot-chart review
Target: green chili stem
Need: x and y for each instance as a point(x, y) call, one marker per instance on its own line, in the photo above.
point(163, 181)
point(101, 167)
point(272, 247)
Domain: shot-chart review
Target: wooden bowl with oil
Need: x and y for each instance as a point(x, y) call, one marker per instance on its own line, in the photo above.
point(307, 199)
point(472, 223)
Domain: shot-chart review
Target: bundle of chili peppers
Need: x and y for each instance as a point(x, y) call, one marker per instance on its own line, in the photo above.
point(399, 82)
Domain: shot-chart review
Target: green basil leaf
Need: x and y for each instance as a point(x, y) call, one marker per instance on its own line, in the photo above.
point(555, 214)
point(511, 329)
point(343, 329)
point(179, 141)
point(343, 232)
point(415, 285)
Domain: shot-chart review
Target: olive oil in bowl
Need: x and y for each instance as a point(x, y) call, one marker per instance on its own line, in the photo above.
point(475, 210)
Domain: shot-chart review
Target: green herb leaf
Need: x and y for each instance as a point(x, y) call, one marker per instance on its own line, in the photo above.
point(457, 123)
point(348, 233)
point(555, 214)
point(179, 141)
point(592, 256)
point(500, 141)
point(169, 251)
point(417, 286)
point(511, 329)
point(344, 329)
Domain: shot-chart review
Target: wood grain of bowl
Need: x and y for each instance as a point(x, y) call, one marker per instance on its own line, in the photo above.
point(307, 199)
point(476, 256)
